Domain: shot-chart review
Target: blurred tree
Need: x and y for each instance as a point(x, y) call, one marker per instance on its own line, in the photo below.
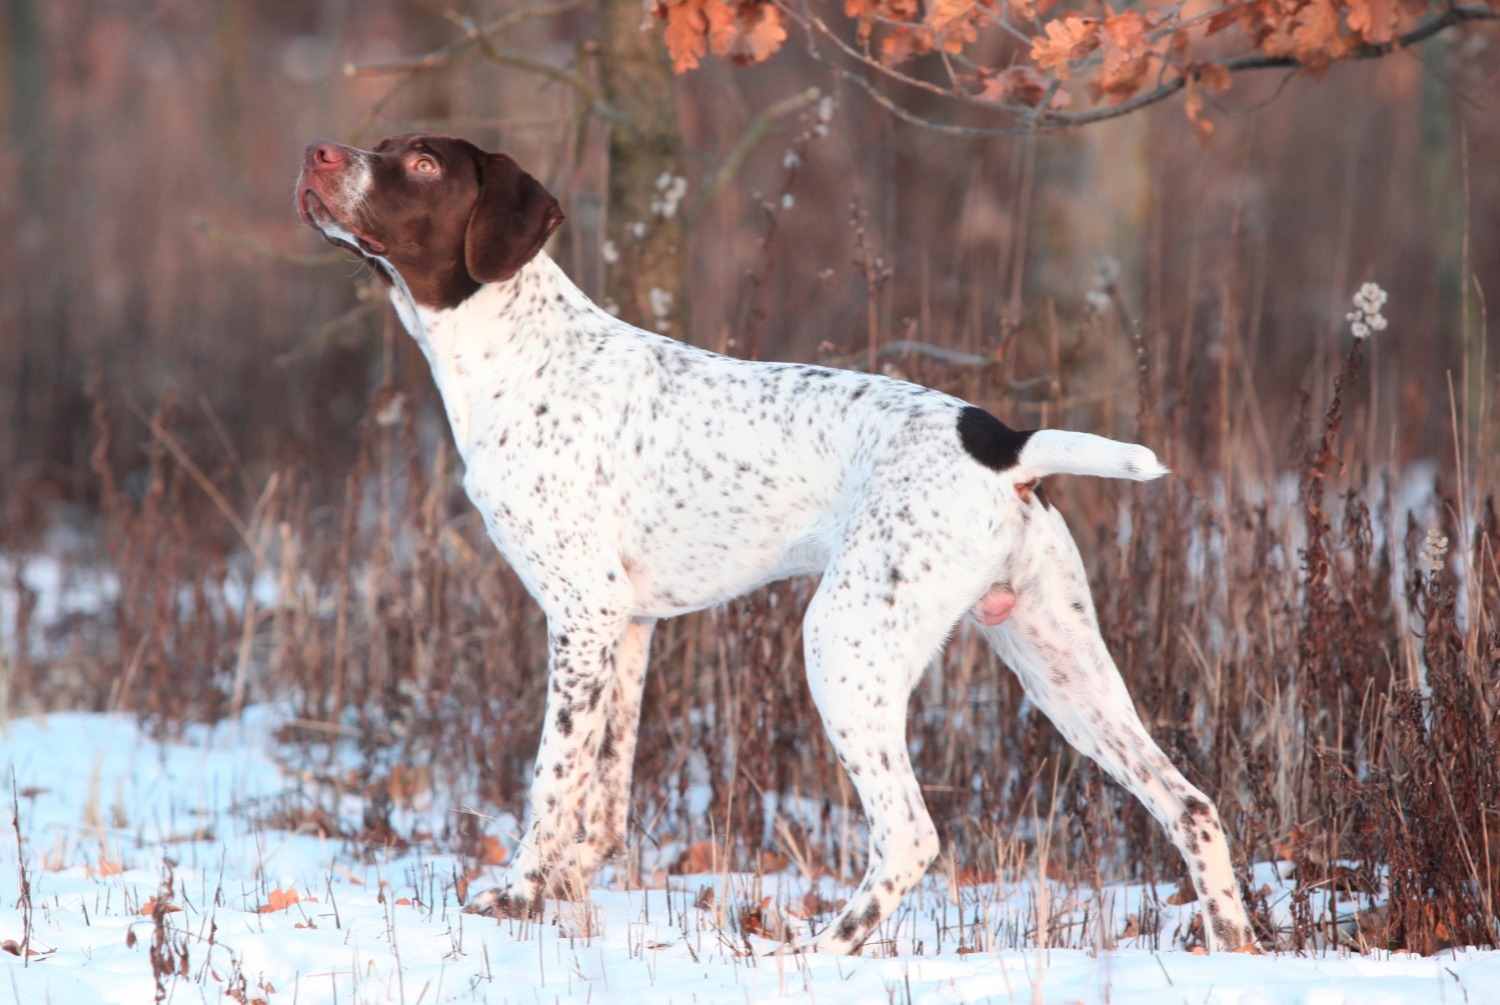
point(644, 229)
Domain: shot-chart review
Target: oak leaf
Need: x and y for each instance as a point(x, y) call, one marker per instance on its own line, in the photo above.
point(1067, 38)
point(943, 13)
point(1192, 106)
point(1124, 39)
point(757, 35)
point(900, 44)
point(150, 907)
point(1021, 85)
point(491, 851)
point(955, 21)
point(1373, 20)
point(279, 900)
point(1316, 40)
point(1214, 76)
point(686, 34)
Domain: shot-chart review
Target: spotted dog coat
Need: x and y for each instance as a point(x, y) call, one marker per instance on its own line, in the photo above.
point(627, 477)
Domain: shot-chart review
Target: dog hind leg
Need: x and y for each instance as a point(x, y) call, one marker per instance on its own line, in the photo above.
point(1052, 642)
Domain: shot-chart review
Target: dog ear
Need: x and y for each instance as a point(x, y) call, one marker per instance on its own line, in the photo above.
point(512, 218)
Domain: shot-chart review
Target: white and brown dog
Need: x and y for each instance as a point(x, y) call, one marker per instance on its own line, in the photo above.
point(628, 477)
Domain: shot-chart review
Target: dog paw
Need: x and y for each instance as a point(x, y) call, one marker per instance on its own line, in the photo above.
point(503, 902)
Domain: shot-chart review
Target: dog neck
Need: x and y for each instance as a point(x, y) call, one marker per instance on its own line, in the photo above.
point(482, 350)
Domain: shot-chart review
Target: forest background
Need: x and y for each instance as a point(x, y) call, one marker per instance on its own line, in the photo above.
point(214, 427)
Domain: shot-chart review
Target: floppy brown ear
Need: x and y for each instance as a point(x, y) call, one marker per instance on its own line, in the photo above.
point(511, 220)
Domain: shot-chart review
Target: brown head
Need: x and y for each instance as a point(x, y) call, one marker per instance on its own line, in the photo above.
point(443, 214)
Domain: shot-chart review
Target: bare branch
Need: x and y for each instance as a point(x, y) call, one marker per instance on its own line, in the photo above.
point(482, 38)
point(474, 36)
point(261, 249)
point(756, 131)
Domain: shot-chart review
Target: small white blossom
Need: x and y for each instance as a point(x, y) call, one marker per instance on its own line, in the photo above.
point(1366, 316)
point(661, 303)
point(1435, 550)
point(670, 190)
point(1370, 298)
point(787, 202)
point(791, 160)
point(825, 109)
point(638, 230)
point(609, 252)
point(1097, 300)
point(1107, 271)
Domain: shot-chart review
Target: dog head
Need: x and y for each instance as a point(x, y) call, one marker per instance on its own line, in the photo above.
point(439, 212)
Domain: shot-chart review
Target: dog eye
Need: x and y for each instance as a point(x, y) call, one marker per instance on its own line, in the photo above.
point(424, 165)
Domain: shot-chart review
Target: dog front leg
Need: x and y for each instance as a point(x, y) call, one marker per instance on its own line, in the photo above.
point(561, 843)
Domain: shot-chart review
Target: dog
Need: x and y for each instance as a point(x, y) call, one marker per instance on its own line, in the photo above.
point(627, 477)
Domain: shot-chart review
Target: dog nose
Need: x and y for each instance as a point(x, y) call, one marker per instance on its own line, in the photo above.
point(325, 156)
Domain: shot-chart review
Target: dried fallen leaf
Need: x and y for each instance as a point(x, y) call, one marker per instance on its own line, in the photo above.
point(491, 851)
point(1184, 895)
point(279, 900)
point(149, 907)
point(703, 856)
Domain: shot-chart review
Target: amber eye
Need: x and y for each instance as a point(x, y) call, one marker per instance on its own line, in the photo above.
point(424, 165)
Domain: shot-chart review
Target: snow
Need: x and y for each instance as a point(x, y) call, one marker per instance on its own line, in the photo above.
point(104, 813)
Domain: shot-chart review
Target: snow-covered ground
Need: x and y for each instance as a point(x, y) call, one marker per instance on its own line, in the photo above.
point(109, 820)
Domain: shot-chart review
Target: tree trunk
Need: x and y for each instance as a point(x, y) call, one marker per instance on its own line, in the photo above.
point(644, 256)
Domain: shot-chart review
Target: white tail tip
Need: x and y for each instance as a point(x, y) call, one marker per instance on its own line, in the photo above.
point(1058, 452)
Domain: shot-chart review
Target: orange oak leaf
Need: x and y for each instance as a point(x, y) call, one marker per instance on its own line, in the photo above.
point(757, 36)
point(1127, 55)
point(279, 900)
point(902, 43)
point(956, 21)
point(1067, 38)
point(1021, 85)
point(943, 13)
point(1192, 106)
point(1214, 76)
point(150, 907)
point(1315, 38)
point(1124, 39)
point(686, 34)
point(491, 851)
point(1373, 20)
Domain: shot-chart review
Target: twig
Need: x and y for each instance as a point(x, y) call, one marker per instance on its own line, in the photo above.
point(481, 37)
point(262, 250)
point(754, 133)
point(196, 473)
point(474, 36)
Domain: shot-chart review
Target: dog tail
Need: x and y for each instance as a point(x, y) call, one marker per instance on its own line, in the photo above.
point(1058, 452)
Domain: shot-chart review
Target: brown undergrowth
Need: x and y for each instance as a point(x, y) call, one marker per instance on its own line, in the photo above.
point(1301, 641)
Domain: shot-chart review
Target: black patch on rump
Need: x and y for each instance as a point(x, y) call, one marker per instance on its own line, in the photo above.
point(990, 441)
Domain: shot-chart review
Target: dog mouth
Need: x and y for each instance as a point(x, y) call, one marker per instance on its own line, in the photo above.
point(316, 212)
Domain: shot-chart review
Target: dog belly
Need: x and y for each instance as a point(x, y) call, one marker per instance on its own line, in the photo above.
point(676, 581)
